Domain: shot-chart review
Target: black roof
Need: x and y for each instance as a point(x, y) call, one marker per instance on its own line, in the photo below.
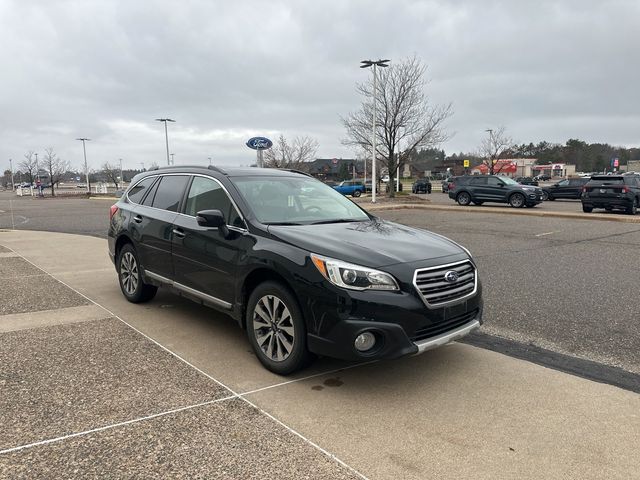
point(230, 172)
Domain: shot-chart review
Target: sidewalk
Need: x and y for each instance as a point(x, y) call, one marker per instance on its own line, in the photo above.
point(171, 389)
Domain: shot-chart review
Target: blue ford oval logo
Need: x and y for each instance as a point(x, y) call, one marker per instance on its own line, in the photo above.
point(451, 276)
point(259, 143)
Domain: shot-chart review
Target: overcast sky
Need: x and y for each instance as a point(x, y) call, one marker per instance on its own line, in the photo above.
point(226, 71)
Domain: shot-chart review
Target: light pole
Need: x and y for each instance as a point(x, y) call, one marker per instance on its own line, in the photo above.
point(121, 176)
point(37, 176)
point(166, 134)
point(490, 131)
point(209, 161)
point(173, 162)
point(367, 64)
point(11, 167)
point(86, 168)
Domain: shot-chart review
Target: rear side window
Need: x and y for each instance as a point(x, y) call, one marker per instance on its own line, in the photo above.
point(607, 180)
point(169, 192)
point(478, 181)
point(148, 200)
point(207, 194)
point(138, 191)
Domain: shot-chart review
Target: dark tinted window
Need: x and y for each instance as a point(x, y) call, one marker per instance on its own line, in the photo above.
point(207, 194)
point(494, 182)
point(137, 192)
point(148, 200)
point(478, 181)
point(170, 192)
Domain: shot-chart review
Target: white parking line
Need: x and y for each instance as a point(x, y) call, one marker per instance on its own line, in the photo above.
point(543, 234)
point(113, 425)
point(234, 394)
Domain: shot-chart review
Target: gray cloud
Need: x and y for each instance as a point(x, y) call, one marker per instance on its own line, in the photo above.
point(229, 70)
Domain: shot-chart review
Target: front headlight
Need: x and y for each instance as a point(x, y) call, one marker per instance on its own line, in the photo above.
point(354, 277)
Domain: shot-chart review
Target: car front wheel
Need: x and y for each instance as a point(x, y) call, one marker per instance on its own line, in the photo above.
point(586, 209)
point(633, 209)
point(130, 277)
point(276, 329)
point(516, 200)
point(545, 196)
point(463, 198)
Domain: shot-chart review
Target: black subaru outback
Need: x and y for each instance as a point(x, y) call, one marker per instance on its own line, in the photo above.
point(302, 268)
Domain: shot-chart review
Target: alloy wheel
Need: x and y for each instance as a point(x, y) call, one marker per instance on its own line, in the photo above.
point(129, 275)
point(516, 200)
point(273, 328)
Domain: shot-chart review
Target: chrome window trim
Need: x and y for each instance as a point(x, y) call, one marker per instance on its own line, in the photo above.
point(450, 302)
point(135, 185)
point(179, 286)
point(235, 205)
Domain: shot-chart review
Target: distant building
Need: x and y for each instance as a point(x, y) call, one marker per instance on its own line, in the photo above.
point(333, 168)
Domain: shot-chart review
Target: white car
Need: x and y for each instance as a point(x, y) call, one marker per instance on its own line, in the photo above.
point(385, 179)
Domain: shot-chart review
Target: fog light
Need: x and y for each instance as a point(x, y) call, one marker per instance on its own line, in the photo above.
point(365, 341)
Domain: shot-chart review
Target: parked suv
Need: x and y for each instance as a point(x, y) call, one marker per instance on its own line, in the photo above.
point(493, 188)
point(421, 185)
point(300, 267)
point(612, 192)
point(568, 188)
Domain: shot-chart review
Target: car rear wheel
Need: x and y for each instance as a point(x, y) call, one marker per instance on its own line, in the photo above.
point(357, 193)
point(276, 329)
point(463, 198)
point(516, 200)
point(586, 209)
point(130, 277)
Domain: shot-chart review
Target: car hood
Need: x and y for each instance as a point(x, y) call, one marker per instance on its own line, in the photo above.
point(374, 243)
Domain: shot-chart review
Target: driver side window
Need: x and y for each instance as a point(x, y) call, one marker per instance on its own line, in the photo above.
point(207, 194)
point(494, 182)
point(563, 183)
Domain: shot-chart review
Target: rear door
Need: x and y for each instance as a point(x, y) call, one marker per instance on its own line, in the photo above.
point(153, 221)
point(203, 259)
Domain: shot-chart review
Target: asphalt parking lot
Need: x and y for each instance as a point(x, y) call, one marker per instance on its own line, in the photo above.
point(96, 386)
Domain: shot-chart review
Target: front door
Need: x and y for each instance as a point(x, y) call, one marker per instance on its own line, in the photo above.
point(204, 260)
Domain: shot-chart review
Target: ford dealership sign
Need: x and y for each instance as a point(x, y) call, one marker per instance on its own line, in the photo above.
point(259, 143)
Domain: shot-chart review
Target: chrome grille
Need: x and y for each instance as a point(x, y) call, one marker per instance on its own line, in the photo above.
point(436, 291)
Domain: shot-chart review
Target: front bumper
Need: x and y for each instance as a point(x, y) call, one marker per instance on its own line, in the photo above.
point(402, 325)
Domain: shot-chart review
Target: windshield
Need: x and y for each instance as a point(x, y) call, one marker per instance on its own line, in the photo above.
point(509, 181)
point(296, 201)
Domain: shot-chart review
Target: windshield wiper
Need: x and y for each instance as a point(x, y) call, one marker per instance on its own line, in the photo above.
point(283, 223)
point(337, 220)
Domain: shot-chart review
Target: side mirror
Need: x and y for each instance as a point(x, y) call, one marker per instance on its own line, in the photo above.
point(501, 184)
point(213, 219)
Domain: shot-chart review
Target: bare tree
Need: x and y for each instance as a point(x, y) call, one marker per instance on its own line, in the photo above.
point(493, 146)
point(294, 155)
point(112, 172)
point(55, 166)
point(404, 116)
point(29, 166)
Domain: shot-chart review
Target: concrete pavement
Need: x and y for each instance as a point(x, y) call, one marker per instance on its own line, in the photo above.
point(176, 395)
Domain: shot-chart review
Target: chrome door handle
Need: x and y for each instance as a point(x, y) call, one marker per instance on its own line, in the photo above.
point(178, 233)
point(137, 219)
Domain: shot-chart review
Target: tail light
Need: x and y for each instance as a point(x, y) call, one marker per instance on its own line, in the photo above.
point(584, 189)
point(112, 211)
point(625, 189)
point(451, 186)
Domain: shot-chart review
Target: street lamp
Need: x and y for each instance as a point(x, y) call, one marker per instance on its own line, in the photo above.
point(374, 64)
point(173, 161)
point(37, 176)
point(11, 167)
point(86, 168)
point(166, 134)
point(121, 175)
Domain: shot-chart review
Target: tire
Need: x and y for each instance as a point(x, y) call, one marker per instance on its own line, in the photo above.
point(286, 352)
point(633, 209)
point(357, 193)
point(478, 202)
point(517, 200)
point(545, 196)
point(586, 209)
point(130, 277)
point(463, 198)
point(551, 198)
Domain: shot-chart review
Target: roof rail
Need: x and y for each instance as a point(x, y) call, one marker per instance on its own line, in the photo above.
point(293, 170)
point(216, 169)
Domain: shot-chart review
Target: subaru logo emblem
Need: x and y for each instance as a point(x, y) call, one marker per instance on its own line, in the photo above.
point(451, 276)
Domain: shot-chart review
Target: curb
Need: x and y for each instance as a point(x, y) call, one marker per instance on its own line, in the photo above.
point(510, 211)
